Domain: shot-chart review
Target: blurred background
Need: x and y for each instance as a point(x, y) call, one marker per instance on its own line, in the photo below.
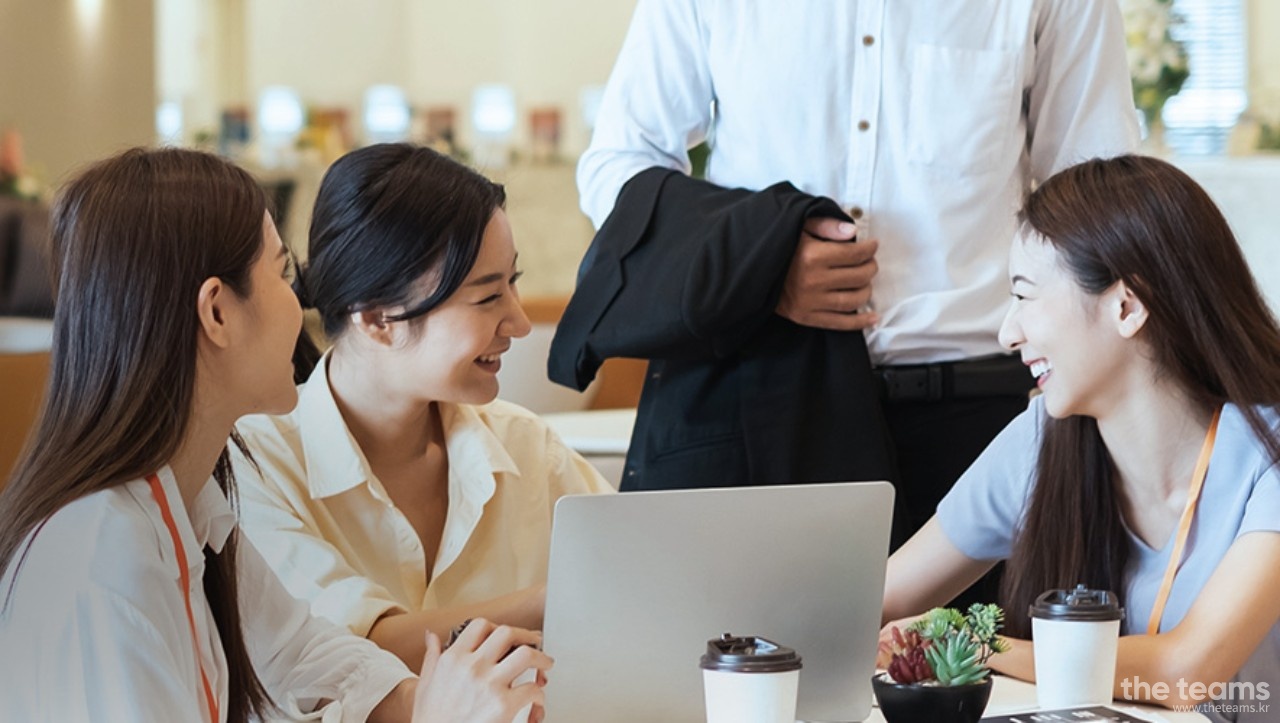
point(285, 86)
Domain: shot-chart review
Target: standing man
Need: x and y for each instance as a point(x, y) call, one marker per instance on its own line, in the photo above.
point(927, 121)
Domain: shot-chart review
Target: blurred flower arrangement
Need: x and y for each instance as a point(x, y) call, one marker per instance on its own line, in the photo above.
point(1269, 137)
point(1260, 123)
point(14, 180)
point(1157, 62)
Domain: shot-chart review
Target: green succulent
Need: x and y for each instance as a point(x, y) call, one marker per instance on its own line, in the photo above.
point(938, 622)
point(955, 660)
point(959, 645)
point(984, 622)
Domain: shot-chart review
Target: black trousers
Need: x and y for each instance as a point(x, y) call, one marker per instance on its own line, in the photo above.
point(936, 441)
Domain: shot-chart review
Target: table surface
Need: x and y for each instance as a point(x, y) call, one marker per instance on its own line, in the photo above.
point(1015, 696)
point(20, 335)
point(597, 431)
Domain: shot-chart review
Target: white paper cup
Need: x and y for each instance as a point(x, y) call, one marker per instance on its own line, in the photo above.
point(1076, 633)
point(1075, 662)
point(750, 680)
point(750, 697)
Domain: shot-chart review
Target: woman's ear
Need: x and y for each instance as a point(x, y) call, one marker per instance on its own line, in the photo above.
point(1130, 312)
point(373, 325)
point(212, 312)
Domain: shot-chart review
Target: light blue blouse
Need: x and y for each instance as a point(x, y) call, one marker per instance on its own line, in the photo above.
point(1241, 494)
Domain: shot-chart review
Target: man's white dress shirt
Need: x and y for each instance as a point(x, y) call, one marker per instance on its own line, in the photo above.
point(928, 120)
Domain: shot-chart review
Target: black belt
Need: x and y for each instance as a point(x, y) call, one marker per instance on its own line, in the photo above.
point(1001, 376)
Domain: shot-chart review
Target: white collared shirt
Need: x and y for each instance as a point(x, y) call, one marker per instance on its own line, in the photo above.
point(929, 121)
point(327, 526)
point(97, 628)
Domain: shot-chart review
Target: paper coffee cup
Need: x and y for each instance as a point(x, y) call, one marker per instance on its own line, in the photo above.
point(1075, 634)
point(750, 680)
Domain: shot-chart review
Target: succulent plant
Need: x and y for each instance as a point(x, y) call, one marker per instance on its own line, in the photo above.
point(985, 622)
point(905, 658)
point(938, 623)
point(955, 660)
point(945, 645)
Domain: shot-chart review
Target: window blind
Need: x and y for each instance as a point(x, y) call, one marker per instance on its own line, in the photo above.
point(1198, 119)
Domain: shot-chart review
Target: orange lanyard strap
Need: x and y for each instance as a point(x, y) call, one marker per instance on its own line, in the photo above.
point(1184, 526)
point(185, 580)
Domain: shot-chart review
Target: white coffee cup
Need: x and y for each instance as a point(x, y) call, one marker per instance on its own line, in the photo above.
point(1075, 634)
point(750, 680)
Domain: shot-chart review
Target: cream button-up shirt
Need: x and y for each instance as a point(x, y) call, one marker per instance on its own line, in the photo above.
point(96, 626)
point(328, 527)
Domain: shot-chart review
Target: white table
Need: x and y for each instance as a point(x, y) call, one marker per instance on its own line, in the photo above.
point(20, 335)
point(1014, 696)
point(600, 435)
point(597, 431)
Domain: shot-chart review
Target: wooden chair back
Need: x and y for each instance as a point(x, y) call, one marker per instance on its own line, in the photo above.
point(22, 381)
point(620, 380)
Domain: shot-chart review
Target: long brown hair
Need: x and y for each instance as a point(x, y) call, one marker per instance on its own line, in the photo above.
point(1144, 222)
point(134, 237)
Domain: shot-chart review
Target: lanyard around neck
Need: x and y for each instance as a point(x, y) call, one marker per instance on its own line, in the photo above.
point(1184, 525)
point(185, 580)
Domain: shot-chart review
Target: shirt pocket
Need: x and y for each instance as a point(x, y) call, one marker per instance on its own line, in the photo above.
point(963, 108)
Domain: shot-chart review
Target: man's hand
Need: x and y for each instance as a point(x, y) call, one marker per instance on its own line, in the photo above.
point(830, 279)
point(472, 680)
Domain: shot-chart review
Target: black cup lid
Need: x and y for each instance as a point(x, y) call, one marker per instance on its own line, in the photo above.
point(1080, 604)
point(748, 654)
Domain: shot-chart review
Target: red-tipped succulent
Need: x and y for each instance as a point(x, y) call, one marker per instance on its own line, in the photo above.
point(904, 657)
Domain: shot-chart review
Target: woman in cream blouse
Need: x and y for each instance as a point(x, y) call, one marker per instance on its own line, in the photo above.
point(400, 496)
point(126, 590)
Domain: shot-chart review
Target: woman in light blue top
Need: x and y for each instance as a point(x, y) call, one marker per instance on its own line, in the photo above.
point(1156, 356)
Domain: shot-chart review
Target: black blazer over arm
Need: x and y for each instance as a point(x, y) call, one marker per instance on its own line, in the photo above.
point(687, 274)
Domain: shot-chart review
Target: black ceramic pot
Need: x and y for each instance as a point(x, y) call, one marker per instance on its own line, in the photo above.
point(916, 703)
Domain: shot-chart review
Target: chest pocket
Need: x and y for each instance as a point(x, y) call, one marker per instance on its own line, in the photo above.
point(963, 109)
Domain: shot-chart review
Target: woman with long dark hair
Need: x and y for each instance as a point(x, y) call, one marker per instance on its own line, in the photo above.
point(1158, 364)
point(400, 496)
point(125, 590)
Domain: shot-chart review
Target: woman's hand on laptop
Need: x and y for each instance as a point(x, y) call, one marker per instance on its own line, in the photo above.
point(473, 680)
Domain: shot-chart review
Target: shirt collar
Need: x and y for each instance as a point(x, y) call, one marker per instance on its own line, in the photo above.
point(476, 458)
point(334, 462)
point(209, 522)
point(474, 450)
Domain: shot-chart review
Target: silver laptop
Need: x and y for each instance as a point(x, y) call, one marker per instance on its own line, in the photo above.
point(639, 582)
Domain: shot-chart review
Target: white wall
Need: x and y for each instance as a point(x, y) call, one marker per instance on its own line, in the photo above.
point(328, 50)
point(77, 78)
point(437, 51)
point(1263, 22)
point(190, 61)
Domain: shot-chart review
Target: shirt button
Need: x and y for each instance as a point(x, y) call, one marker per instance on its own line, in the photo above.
point(868, 40)
point(863, 125)
point(856, 212)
